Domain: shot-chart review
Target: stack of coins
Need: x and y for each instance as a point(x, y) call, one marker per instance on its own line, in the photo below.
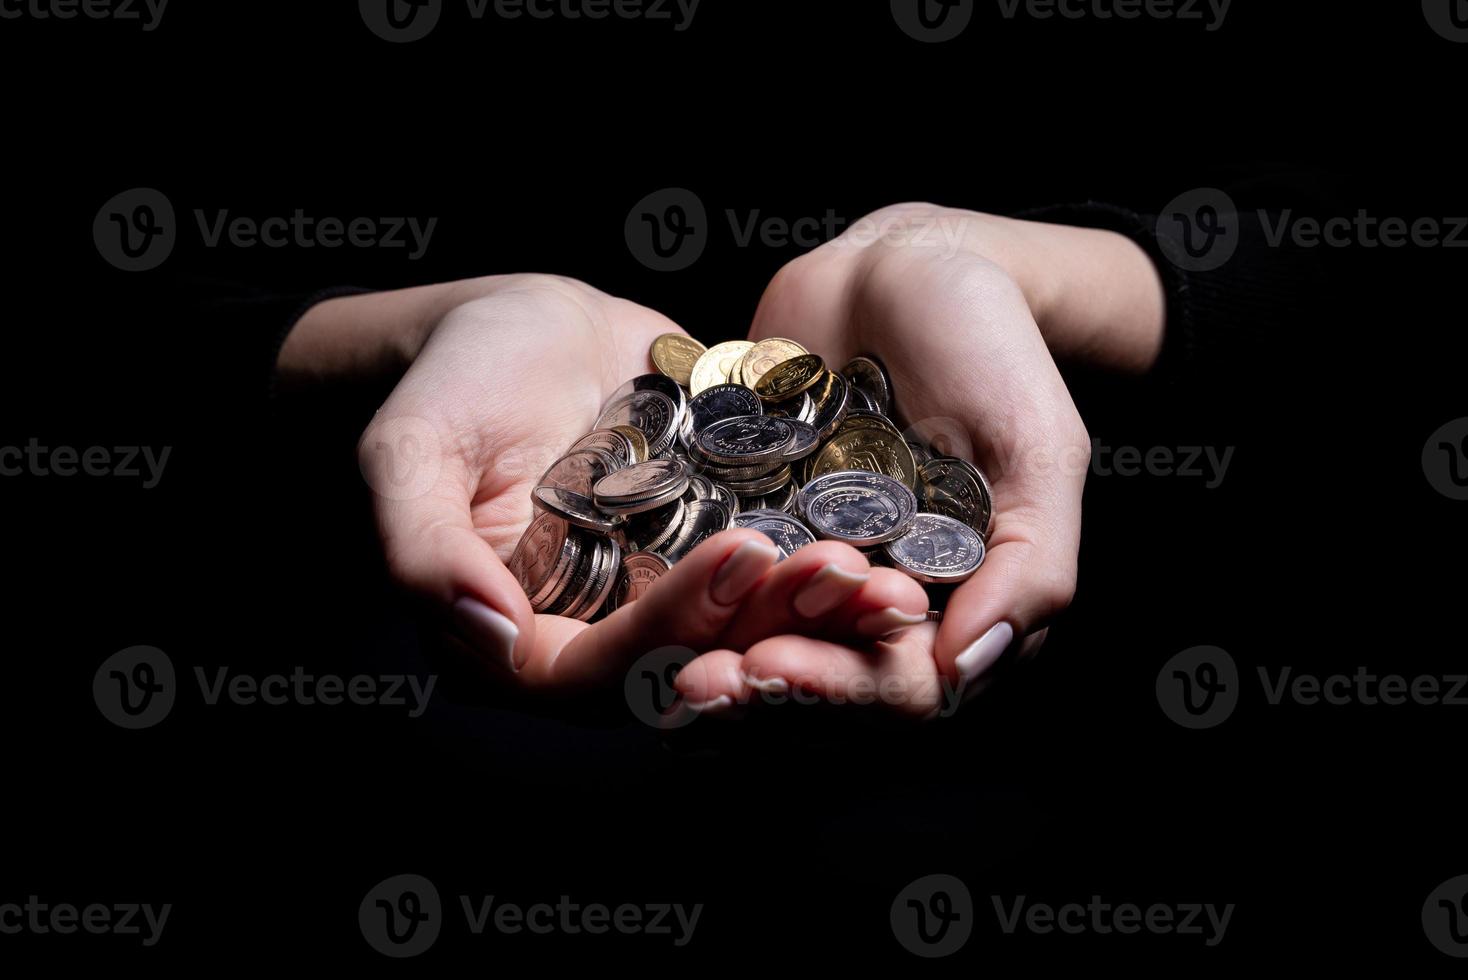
point(757, 435)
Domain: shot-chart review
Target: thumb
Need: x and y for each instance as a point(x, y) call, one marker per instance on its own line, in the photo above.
point(432, 549)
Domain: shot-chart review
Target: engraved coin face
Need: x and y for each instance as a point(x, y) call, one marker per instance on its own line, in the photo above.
point(654, 478)
point(937, 549)
point(674, 354)
point(638, 442)
point(858, 507)
point(956, 488)
point(789, 378)
point(804, 443)
point(745, 440)
point(652, 413)
point(788, 533)
point(611, 441)
point(765, 355)
point(716, 367)
point(539, 552)
point(702, 519)
point(660, 383)
point(639, 571)
point(722, 402)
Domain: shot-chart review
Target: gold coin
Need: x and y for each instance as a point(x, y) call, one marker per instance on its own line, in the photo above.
point(716, 366)
point(639, 443)
point(875, 448)
point(765, 355)
point(789, 378)
point(674, 354)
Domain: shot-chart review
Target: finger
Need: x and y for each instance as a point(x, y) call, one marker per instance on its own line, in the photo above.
point(1027, 578)
point(434, 552)
point(897, 675)
point(711, 685)
point(828, 589)
point(689, 606)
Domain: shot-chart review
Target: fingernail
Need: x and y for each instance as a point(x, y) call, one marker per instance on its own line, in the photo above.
point(718, 706)
point(981, 655)
point(766, 685)
point(888, 620)
point(741, 571)
point(487, 631)
point(826, 590)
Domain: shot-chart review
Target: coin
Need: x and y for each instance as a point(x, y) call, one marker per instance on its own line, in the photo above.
point(726, 497)
point(631, 484)
point(763, 356)
point(542, 556)
point(576, 509)
point(867, 442)
point(858, 507)
point(831, 411)
point(702, 519)
point(745, 440)
point(716, 367)
point(674, 354)
point(957, 488)
point(937, 549)
point(639, 571)
point(780, 500)
point(867, 374)
point(760, 485)
point(789, 378)
point(719, 402)
point(788, 533)
point(652, 529)
point(805, 442)
point(652, 413)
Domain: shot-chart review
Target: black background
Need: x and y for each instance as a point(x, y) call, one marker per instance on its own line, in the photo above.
point(1325, 548)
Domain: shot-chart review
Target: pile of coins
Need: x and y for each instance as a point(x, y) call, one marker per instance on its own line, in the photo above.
point(742, 434)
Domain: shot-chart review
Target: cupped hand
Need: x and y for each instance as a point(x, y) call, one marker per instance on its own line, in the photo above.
point(971, 374)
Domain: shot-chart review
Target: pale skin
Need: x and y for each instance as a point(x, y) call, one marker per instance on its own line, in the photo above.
point(501, 374)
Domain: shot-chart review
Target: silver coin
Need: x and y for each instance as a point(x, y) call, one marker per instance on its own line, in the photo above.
point(578, 471)
point(652, 413)
point(660, 383)
point(651, 530)
point(801, 407)
point(725, 496)
point(721, 402)
point(858, 507)
point(957, 488)
point(788, 533)
point(920, 452)
point(780, 500)
point(576, 509)
point(831, 412)
point(937, 549)
point(638, 573)
point(702, 519)
point(632, 484)
point(805, 443)
point(860, 401)
point(868, 374)
point(603, 579)
point(608, 441)
point(699, 488)
point(762, 485)
point(746, 440)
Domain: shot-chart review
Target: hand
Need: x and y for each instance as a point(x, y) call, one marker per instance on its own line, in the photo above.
point(949, 301)
point(508, 374)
